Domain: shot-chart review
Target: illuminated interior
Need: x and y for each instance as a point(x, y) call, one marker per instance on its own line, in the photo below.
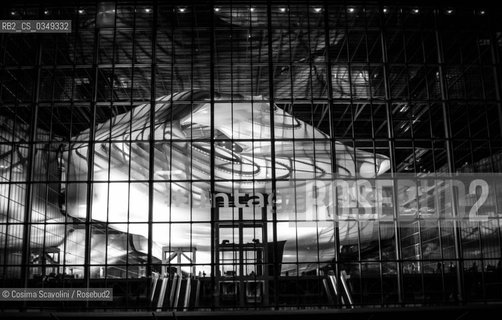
point(180, 150)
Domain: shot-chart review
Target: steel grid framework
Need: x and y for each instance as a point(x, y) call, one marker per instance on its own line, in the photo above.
point(418, 85)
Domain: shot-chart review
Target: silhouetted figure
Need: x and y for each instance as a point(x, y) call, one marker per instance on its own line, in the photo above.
point(439, 267)
point(474, 267)
point(498, 270)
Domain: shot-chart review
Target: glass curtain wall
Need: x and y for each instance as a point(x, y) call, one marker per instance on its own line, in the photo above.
point(177, 153)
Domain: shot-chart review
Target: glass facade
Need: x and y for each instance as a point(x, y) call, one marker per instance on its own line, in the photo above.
point(252, 155)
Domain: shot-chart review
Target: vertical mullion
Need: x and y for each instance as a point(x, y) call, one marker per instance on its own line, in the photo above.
point(390, 133)
point(431, 132)
point(110, 146)
point(374, 143)
point(171, 118)
point(151, 142)
point(25, 259)
point(272, 154)
point(130, 139)
point(350, 58)
point(241, 229)
point(214, 209)
point(3, 40)
point(450, 158)
point(409, 120)
point(312, 110)
point(47, 175)
point(90, 159)
point(291, 110)
point(497, 69)
point(189, 173)
point(69, 152)
point(440, 240)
